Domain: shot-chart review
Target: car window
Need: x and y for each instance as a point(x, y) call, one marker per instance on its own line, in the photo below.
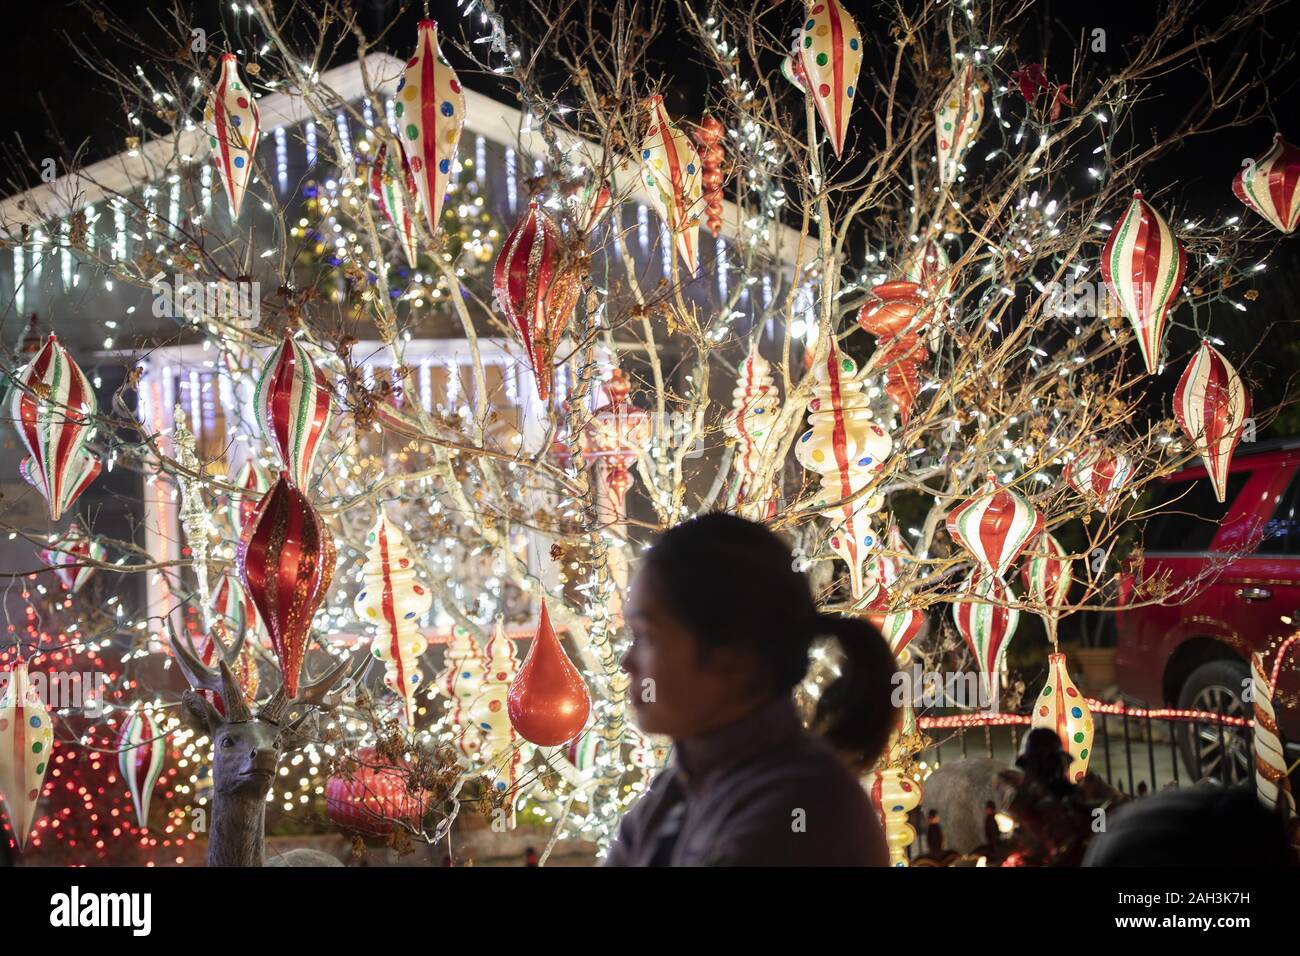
point(1189, 514)
point(1282, 533)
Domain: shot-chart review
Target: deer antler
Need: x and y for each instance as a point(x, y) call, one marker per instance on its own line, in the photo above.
point(312, 694)
point(219, 681)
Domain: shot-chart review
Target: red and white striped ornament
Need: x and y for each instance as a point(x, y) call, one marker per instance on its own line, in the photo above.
point(234, 128)
point(252, 480)
point(1270, 185)
point(535, 290)
point(1212, 405)
point(393, 188)
point(67, 558)
point(430, 113)
point(26, 735)
point(52, 407)
point(987, 622)
point(670, 169)
point(142, 752)
point(830, 57)
point(1143, 263)
point(1100, 475)
point(292, 401)
point(996, 526)
point(1047, 576)
point(901, 627)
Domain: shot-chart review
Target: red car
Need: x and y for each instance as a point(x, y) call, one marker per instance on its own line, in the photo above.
point(1234, 575)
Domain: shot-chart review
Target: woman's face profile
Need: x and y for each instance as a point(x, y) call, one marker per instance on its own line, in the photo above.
point(679, 689)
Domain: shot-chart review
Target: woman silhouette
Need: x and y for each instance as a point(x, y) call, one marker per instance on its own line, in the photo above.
point(721, 629)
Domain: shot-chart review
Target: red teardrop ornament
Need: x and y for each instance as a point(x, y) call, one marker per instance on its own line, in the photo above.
point(548, 701)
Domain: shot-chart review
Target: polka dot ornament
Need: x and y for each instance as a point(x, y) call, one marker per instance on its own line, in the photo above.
point(957, 119)
point(26, 735)
point(830, 57)
point(430, 112)
point(670, 169)
point(234, 128)
point(1061, 708)
point(894, 797)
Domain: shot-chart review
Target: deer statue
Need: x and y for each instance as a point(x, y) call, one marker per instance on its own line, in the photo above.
point(246, 749)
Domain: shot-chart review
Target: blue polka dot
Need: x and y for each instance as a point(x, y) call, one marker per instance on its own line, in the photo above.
point(690, 169)
point(758, 411)
point(1075, 712)
point(806, 436)
point(810, 24)
point(853, 45)
point(447, 109)
point(864, 461)
point(645, 154)
point(898, 808)
point(401, 83)
point(234, 120)
point(361, 596)
point(444, 165)
point(849, 92)
point(464, 674)
point(36, 721)
point(409, 615)
point(414, 679)
point(239, 162)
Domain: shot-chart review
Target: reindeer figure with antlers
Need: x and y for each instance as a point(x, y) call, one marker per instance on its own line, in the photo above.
point(246, 749)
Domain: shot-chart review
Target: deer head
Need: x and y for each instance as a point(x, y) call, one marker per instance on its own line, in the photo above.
point(246, 746)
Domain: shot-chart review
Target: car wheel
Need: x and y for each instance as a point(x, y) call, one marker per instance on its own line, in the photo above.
point(1213, 751)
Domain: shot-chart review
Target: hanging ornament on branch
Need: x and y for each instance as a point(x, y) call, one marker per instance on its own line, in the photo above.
point(548, 701)
point(234, 126)
point(461, 678)
point(70, 558)
point(996, 526)
point(393, 188)
point(1047, 577)
point(1143, 265)
point(957, 121)
point(1100, 475)
point(710, 133)
point(1061, 708)
point(751, 425)
point(393, 601)
point(430, 113)
point(1212, 405)
point(896, 313)
point(670, 168)
point(1270, 185)
point(537, 289)
point(986, 621)
point(142, 751)
point(848, 450)
point(375, 797)
point(286, 562)
point(489, 712)
point(212, 651)
point(901, 627)
point(292, 403)
point(616, 435)
point(252, 480)
point(830, 56)
point(26, 734)
point(53, 408)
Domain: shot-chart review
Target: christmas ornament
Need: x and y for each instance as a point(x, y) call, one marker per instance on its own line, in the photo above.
point(1143, 266)
point(252, 480)
point(894, 797)
point(375, 798)
point(1100, 475)
point(986, 622)
point(1271, 780)
point(996, 526)
point(26, 734)
point(244, 668)
point(232, 606)
point(751, 425)
point(901, 626)
point(286, 562)
point(1047, 577)
point(293, 408)
point(1270, 185)
point(67, 559)
point(670, 168)
point(489, 713)
point(393, 601)
point(830, 55)
point(897, 313)
point(1212, 405)
point(461, 678)
point(393, 188)
point(848, 450)
point(957, 121)
point(548, 701)
point(591, 203)
point(430, 113)
point(792, 69)
point(710, 133)
point(141, 752)
point(233, 129)
point(535, 289)
point(615, 436)
point(52, 407)
point(1061, 708)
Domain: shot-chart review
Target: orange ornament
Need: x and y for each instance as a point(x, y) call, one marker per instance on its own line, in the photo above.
point(548, 701)
point(710, 133)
